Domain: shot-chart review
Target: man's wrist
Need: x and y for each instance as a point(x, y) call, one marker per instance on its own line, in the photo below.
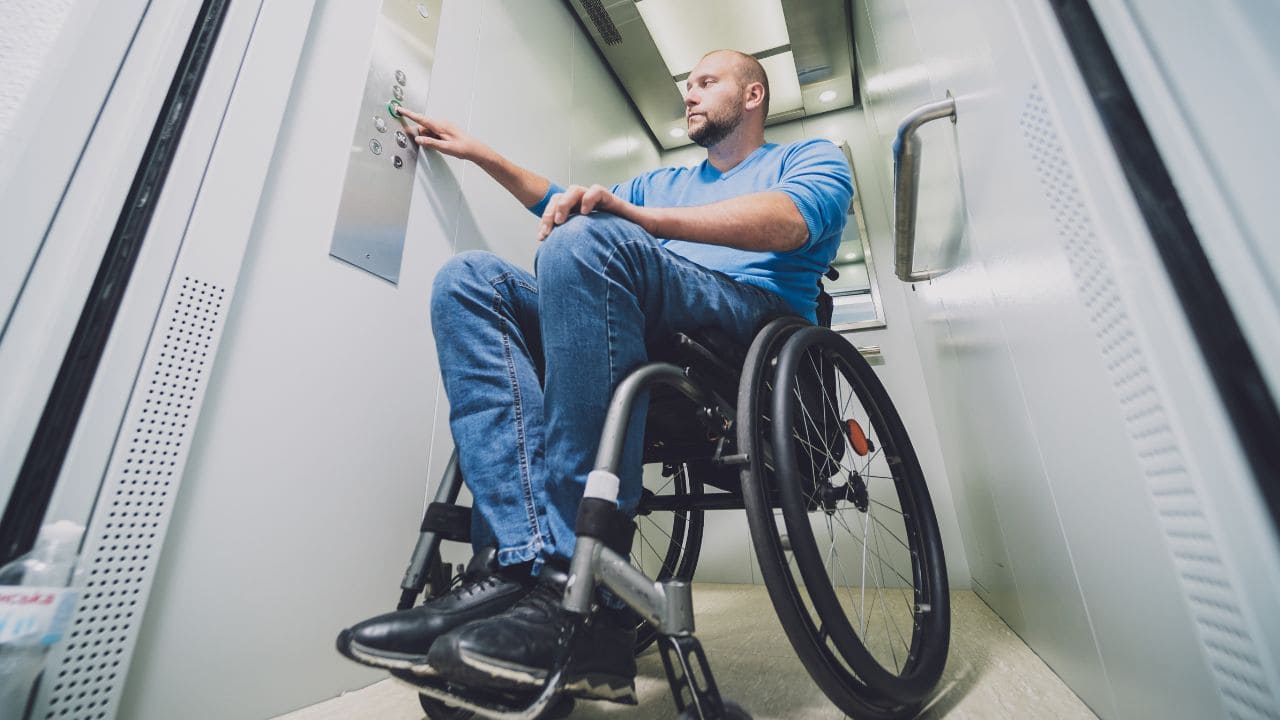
point(485, 157)
point(648, 218)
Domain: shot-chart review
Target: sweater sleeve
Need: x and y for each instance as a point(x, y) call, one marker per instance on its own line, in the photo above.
point(541, 205)
point(816, 177)
point(632, 191)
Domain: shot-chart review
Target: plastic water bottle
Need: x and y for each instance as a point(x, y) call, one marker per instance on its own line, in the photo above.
point(35, 608)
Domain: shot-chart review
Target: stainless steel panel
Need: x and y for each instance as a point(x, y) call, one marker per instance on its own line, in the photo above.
point(374, 210)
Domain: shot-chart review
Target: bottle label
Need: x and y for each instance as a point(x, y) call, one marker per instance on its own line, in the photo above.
point(34, 615)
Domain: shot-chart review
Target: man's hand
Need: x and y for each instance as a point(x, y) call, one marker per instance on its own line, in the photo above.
point(442, 136)
point(579, 200)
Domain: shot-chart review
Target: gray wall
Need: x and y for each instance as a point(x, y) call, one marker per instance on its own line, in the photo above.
point(323, 420)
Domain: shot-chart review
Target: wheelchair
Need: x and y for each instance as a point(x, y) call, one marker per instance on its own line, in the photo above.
point(797, 431)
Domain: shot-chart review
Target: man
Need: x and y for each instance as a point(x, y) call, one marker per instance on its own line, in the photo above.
point(530, 362)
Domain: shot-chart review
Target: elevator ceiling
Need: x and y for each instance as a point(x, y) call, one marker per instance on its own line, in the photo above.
point(806, 47)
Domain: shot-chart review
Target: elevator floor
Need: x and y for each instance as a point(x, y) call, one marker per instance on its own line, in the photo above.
point(991, 674)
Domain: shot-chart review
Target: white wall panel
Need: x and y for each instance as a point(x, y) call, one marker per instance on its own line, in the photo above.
point(522, 105)
point(1038, 353)
point(603, 132)
point(893, 80)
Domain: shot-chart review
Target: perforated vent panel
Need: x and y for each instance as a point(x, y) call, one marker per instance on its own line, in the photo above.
point(86, 676)
point(1206, 580)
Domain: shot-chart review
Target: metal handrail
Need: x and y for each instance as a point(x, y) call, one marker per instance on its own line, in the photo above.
point(905, 177)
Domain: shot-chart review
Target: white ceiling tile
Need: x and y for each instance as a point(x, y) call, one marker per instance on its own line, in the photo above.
point(784, 84)
point(684, 31)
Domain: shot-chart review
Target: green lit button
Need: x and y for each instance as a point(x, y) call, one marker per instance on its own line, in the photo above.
point(393, 108)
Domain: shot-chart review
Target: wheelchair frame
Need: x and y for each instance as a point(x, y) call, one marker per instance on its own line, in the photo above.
point(666, 604)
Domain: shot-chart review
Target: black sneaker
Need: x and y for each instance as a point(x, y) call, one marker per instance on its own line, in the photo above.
point(400, 640)
point(516, 649)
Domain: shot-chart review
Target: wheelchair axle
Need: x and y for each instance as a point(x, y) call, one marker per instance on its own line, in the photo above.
point(853, 490)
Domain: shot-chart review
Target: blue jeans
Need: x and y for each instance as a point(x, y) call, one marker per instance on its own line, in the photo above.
point(530, 363)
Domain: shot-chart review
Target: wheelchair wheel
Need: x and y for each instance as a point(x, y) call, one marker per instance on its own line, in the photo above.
point(667, 542)
point(437, 710)
point(842, 523)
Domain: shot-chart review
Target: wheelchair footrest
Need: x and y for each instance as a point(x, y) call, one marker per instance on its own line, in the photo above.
point(450, 522)
point(692, 686)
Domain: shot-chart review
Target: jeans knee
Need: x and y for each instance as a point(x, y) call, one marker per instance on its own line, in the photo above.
point(588, 243)
point(464, 277)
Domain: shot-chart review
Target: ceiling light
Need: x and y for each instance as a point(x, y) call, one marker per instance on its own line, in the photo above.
point(685, 31)
point(827, 95)
point(676, 132)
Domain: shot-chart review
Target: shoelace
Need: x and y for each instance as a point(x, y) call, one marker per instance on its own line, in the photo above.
point(474, 584)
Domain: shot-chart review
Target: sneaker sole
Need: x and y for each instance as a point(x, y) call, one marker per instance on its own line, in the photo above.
point(612, 688)
point(416, 664)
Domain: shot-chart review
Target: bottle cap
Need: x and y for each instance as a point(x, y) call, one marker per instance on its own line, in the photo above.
point(63, 533)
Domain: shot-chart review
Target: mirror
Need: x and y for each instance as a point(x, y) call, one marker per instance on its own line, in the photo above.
point(855, 294)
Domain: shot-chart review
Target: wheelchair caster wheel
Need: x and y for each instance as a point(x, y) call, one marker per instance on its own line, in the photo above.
point(732, 711)
point(437, 710)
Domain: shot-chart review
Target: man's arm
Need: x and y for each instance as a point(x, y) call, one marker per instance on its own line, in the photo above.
point(762, 221)
point(525, 185)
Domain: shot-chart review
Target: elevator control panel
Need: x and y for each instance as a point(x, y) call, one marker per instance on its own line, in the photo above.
point(373, 213)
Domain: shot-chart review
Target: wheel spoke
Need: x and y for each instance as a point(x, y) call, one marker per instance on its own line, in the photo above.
point(844, 576)
point(885, 608)
point(866, 548)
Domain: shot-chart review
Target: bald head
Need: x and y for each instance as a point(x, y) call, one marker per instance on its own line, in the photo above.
point(726, 96)
point(747, 70)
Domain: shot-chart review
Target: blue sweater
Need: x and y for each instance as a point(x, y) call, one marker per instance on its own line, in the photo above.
point(813, 173)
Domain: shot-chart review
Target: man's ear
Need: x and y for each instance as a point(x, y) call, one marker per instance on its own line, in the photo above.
point(755, 96)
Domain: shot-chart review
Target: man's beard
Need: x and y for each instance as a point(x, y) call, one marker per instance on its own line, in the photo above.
point(715, 129)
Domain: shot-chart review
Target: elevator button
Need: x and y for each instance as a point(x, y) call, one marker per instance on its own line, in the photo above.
point(397, 161)
point(398, 92)
point(375, 146)
point(401, 78)
point(401, 139)
point(393, 107)
point(380, 124)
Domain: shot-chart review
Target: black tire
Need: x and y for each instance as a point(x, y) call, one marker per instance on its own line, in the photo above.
point(437, 710)
point(667, 542)
point(798, 441)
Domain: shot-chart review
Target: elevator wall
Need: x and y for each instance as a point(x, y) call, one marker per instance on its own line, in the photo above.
point(1104, 503)
point(324, 423)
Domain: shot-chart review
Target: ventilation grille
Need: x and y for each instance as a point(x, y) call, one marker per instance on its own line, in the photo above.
point(132, 512)
point(1205, 578)
point(599, 17)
